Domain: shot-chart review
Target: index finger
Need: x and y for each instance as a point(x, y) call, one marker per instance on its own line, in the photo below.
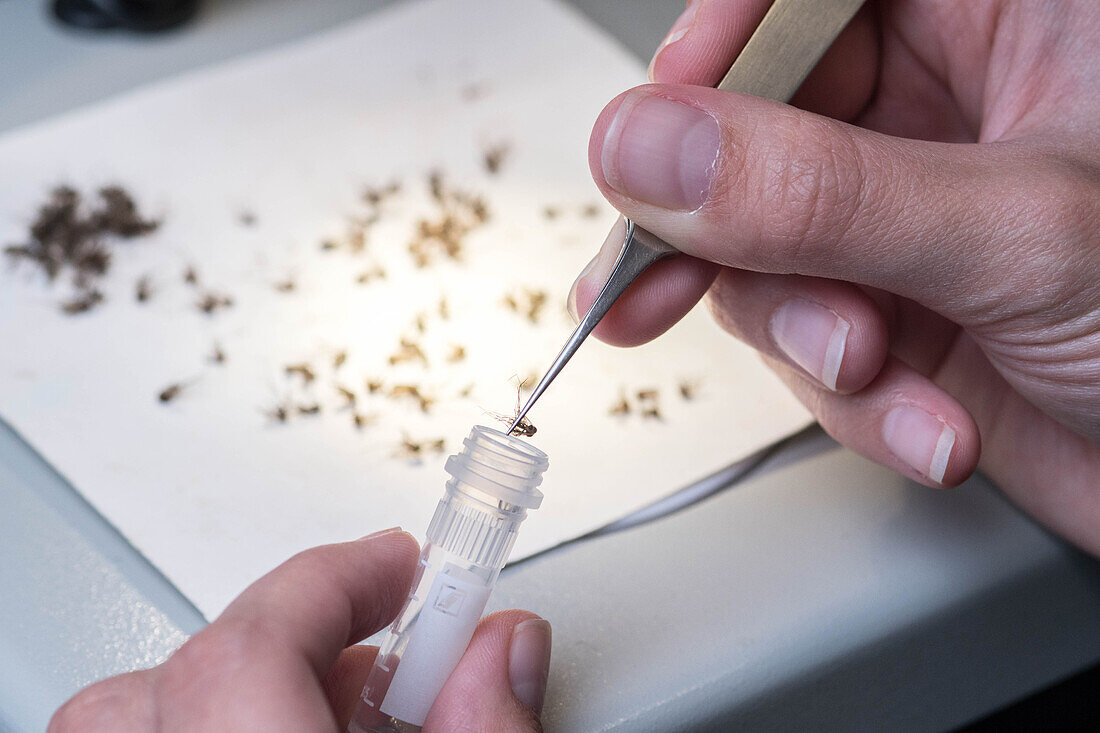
point(704, 41)
point(324, 599)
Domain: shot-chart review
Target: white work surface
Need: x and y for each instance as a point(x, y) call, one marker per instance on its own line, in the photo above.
point(820, 593)
point(211, 489)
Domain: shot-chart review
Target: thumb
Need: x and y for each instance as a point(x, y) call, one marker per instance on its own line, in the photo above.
point(500, 681)
point(754, 184)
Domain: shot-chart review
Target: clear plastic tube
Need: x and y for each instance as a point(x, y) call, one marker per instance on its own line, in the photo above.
point(494, 481)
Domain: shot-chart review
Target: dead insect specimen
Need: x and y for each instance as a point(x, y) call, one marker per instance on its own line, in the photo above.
point(143, 289)
point(217, 355)
point(246, 218)
point(524, 427)
point(348, 395)
point(373, 386)
point(590, 211)
point(311, 408)
point(119, 214)
point(530, 302)
point(536, 300)
point(278, 413)
point(413, 391)
point(435, 185)
point(361, 421)
point(494, 157)
point(82, 302)
point(622, 407)
point(409, 351)
point(212, 302)
point(687, 390)
point(191, 275)
point(551, 212)
point(286, 286)
point(444, 232)
point(339, 358)
point(374, 273)
point(170, 392)
point(327, 245)
point(357, 236)
point(375, 196)
point(416, 448)
point(303, 370)
point(456, 354)
point(648, 407)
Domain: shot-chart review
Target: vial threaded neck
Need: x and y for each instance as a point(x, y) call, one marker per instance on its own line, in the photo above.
point(505, 468)
point(494, 482)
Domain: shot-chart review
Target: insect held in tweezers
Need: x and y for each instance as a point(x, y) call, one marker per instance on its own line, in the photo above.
point(524, 428)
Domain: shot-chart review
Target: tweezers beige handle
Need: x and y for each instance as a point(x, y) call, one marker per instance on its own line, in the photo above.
point(786, 46)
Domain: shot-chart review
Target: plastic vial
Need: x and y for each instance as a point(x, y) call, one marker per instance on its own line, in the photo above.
point(493, 483)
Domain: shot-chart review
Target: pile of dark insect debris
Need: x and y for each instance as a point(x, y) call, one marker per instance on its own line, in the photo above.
point(67, 235)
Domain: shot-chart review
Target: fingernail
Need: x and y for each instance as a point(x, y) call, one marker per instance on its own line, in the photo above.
point(679, 30)
point(813, 337)
point(571, 301)
point(919, 439)
point(529, 661)
point(660, 152)
point(379, 533)
point(599, 266)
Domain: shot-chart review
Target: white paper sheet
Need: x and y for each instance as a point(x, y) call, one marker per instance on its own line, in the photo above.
point(210, 489)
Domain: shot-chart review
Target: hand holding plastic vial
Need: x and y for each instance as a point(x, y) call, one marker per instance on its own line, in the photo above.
point(278, 658)
point(493, 483)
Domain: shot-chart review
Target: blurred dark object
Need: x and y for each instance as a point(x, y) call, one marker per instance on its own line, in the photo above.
point(1069, 705)
point(145, 16)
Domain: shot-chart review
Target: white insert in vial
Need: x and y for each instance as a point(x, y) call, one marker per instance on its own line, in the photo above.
point(494, 481)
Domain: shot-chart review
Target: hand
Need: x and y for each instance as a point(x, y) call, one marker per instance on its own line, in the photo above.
point(278, 658)
point(914, 247)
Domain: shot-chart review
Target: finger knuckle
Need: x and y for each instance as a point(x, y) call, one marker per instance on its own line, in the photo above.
point(229, 644)
point(110, 705)
point(809, 192)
